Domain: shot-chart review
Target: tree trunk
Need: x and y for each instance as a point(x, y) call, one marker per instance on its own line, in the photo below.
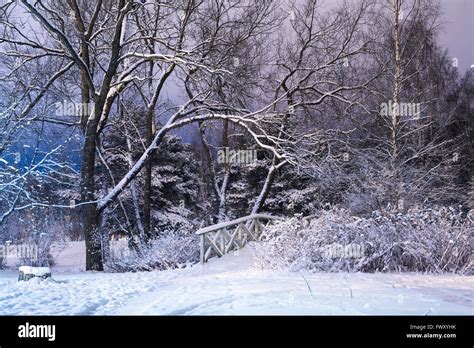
point(148, 174)
point(91, 219)
point(144, 233)
point(90, 212)
point(396, 99)
point(222, 213)
point(258, 205)
point(220, 192)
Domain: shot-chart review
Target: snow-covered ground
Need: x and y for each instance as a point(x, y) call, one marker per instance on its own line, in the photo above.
point(232, 285)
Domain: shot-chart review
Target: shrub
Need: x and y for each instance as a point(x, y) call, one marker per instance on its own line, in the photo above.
point(424, 240)
point(173, 249)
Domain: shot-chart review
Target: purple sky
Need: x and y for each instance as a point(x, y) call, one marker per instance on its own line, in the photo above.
point(458, 36)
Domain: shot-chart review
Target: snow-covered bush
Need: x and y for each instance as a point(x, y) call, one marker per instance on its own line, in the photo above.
point(425, 240)
point(42, 242)
point(173, 249)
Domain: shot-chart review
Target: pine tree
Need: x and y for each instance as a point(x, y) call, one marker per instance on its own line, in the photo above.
point(176, 186)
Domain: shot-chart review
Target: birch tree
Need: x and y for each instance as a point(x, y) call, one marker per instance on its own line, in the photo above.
point(408, 142)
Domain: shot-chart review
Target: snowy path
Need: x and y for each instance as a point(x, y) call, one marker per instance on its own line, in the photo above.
point(233, 286)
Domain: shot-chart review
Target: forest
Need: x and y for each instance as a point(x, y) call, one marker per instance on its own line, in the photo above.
point(149, 120)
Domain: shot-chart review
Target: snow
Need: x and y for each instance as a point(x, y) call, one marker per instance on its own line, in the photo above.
point(232, 285)
point(71, 258)
point(36, 271)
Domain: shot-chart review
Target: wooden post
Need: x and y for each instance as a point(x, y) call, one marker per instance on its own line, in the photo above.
point(239, 237)
point(222, 238)
point(203, 253)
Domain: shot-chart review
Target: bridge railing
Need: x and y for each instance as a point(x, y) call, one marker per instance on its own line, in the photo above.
point(220, 239)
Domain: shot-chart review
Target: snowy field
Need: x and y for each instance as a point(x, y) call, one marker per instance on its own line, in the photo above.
point(232, 285)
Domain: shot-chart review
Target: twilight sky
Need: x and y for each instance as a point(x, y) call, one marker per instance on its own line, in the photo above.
point(458, 36)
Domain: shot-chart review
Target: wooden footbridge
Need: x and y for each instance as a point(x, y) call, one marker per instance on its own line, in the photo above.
point(220, 239)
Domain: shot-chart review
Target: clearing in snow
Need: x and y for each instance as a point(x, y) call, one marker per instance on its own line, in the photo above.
point(232, 285)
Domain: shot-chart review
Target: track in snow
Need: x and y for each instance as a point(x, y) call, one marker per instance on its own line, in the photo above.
point(232, 285)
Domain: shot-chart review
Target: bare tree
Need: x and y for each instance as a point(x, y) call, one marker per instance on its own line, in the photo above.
point(313, 69)
point(409, 142)
point(113, 62)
